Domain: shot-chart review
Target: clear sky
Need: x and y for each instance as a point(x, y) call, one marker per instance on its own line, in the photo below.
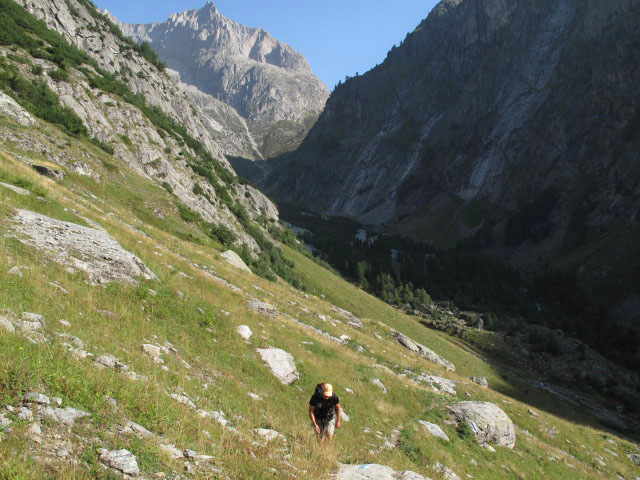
point(338, 37)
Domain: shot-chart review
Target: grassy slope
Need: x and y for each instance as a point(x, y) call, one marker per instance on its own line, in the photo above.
point(224, 368)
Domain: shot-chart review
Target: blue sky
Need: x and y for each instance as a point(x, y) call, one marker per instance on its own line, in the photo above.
point(338, 37)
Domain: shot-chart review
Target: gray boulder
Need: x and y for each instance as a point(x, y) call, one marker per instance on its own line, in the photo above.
point(232, 258)
point(635, 458)
point(423, 351)
point(439, 384)
point(66, 416)
point(13, 188)
point(372, 471)
point(263, 308)
point(86, 249)
point(482, 381)
point(49, 172)
point(488, 422)
point(10, 108)
point(434, 430)
point(244, 331)
point(121, 460)
point(281, 363)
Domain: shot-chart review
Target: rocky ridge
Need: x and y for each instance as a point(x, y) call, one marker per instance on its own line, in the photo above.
point(121, 125)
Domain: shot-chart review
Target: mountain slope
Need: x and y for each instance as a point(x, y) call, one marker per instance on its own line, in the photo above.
point(516, 122)
point(485, 102)
point(266, 82)
point(155, 373)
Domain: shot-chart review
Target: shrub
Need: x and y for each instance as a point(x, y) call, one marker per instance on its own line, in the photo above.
point(36, 69)
point(59, 75)
point(167, 187)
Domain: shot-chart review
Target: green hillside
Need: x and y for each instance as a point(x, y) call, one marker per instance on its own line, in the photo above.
point(212, 365)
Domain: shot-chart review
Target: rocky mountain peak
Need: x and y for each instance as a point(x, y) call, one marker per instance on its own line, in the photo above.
point(265, 81)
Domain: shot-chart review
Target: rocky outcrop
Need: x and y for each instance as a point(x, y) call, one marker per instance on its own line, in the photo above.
point(263, 82)
point(281, 364)
point(232, 258)
point(425, 352)
point(10, 108)
point(487, 421)
point(125, 128)
point(83, 248)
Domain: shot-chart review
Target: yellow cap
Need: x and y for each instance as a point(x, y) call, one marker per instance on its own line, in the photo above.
point(327, 389)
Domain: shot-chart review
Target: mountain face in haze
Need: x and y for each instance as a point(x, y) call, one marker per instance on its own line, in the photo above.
point(267, 83)
point(517, 122)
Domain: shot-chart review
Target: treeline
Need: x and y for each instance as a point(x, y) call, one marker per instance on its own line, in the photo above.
point(402, 271)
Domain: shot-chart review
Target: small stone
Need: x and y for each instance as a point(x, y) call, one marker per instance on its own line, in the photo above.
point(446, 472)
point(434, 430)
point(482, 381)
point(24, 413)
point(152, 293)
point(244, 331)
point(255, 396)
point(184, 400)
point(532, 413)
point(34, 430)
point(379, 384)
point(64, 323)
point(56, 400)
point(270, 435)
point(15, 271)
point(635, 458)
point(172, 451)
point(33, 317)
point(35, 397)
point(348, 390)
point(133, 428)
point(6, 324)
point(151, 350)
point(25, 326)
point(121, 460)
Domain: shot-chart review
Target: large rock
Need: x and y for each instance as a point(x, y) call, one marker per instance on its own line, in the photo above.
point(488, 422)
point(121, 460)
point(372, 471)
point(10, 108)
point(66, 416)
point(281, 363)
point(434, 429)
point(263, 308)
point(234, 259)
point(84, 248)
point(439, 384)
point(425, 352)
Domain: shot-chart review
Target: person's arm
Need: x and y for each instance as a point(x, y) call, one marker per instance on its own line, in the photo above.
point(338, 411)
point(313, 418)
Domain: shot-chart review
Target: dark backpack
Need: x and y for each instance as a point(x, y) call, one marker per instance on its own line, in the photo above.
point(319, 389)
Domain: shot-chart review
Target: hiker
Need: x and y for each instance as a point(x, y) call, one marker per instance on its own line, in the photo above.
point(324, 411)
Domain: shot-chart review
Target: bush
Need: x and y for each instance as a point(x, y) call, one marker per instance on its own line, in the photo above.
point(223, 234)
point(167, 187)
point(59, 75)
point(36, 69)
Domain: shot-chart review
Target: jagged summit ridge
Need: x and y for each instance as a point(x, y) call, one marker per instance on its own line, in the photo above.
point(267, 82)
